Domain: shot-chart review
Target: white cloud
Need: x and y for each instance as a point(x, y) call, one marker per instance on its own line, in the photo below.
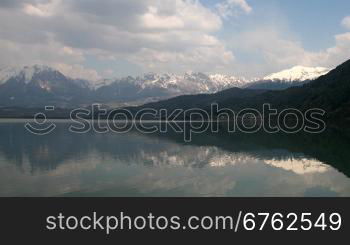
point(337, 54)
point(152, 20)
point(171, 34)
point(14, 53)
point(77, 71)
point(274, 51)
point(41, 9)
point(157, 35)
point(346, 22)
point(270, 50)
point(230, 8)
point(197, 59)
point(107, 73)
point(187, 15)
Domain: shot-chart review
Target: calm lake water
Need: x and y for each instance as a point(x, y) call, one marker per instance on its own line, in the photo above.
point(135, 164)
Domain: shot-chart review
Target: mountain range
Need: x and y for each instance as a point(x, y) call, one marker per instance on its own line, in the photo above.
point(330, 92)
point(38, 86)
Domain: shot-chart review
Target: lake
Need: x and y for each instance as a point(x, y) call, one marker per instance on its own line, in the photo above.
point(164, 165)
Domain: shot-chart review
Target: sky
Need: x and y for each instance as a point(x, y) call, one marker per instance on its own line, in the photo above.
point(96, 39)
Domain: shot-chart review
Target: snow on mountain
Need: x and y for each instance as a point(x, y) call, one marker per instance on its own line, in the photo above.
point(228, 81)
point(25, 73)
point(298, 73)
point(149, 87)
point(37, 86)
point(188, 83)
point(196, 83)
point(100, 83)
point(7, 73)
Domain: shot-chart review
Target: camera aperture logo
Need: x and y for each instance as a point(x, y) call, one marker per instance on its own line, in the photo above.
point(41, 125)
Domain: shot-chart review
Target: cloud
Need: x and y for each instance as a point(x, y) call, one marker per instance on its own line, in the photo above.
point(230, 8)
point(272, 49)
point(77, 71)
point(185, 16)
point(346, 22)
point(12, 3)
point(166, 35)
point(337, 54)
point(198, 59)
point(150, 35)
point(41, 9)
point(268, 50)
point(15, 53)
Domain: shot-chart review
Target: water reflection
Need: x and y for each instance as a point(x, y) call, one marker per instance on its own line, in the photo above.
point(134, 164)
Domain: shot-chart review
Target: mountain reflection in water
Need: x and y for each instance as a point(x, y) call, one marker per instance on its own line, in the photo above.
point(135, 164)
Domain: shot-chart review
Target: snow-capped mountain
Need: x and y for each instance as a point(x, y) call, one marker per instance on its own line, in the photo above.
point(296, 76)
point(197, 83)
point(298, 73)
point(229, 81)
point(40, 85)
point(154, 87)
point(22, 73)
point(188, 83)
point(37, 85)
point(37, 73)
point(100, 83)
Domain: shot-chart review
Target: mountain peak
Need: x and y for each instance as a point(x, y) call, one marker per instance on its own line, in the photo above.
point(26, 72)
point(298, 73)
